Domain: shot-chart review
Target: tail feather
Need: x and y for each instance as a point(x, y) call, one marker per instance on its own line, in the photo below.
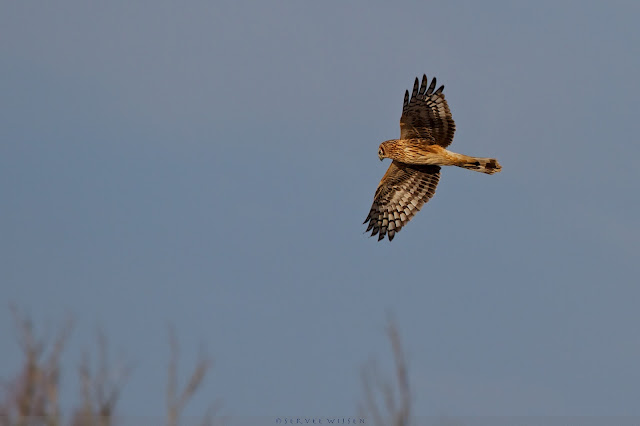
point(483, 165)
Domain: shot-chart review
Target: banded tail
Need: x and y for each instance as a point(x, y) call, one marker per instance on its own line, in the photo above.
point(482, 165)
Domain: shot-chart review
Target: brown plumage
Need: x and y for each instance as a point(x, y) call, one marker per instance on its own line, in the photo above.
point(426, 129)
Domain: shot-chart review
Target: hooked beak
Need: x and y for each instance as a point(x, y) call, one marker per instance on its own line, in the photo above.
point(380, 157)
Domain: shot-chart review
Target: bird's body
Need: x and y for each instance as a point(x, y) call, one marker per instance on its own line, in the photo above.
point(419, 151)
point(426, 129)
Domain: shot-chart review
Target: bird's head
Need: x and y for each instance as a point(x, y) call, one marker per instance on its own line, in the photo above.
point(384, 149)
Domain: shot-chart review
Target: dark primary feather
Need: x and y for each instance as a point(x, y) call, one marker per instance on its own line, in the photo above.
point(402, 192)
point(426, 114)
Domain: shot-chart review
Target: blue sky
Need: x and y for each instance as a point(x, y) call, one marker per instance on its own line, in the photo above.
point(209, 164)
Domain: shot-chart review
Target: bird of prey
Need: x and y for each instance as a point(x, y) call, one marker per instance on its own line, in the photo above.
point(426, 129)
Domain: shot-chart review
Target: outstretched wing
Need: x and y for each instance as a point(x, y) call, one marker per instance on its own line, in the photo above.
point(426, 115)
point(401, 193)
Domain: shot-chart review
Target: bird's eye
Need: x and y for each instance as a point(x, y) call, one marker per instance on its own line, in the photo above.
point(380, 152)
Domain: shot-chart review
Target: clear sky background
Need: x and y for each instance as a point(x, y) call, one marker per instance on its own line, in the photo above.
point(208, 164)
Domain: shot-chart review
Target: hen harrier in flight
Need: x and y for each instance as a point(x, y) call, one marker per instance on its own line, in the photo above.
point(426, 129)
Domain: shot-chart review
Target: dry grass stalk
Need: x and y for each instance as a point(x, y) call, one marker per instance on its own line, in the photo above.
point(385, 402)
point(32, 398)
point(34, 393)
point(177, 400)
point(99, 389)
